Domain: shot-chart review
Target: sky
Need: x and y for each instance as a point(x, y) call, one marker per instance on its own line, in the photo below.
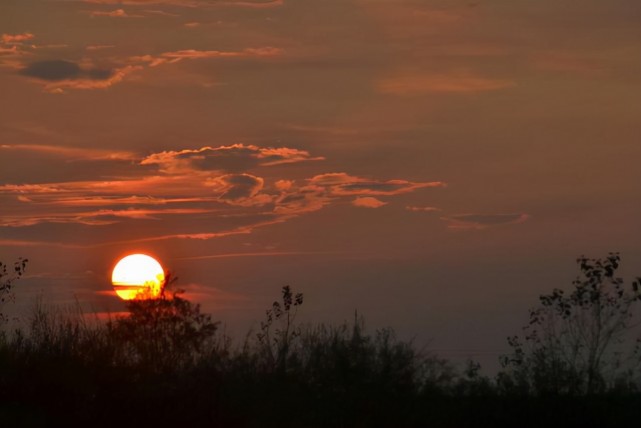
point(433, 165)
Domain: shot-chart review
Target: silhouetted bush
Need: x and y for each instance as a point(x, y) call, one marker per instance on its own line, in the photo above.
point(576, 344)
point(167, 363)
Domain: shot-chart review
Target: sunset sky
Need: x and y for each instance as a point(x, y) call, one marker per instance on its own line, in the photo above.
point(435, 165)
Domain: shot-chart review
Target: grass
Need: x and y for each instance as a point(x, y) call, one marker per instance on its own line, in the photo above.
point(167, 363)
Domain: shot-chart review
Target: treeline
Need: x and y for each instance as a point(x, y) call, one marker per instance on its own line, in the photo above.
point(168, 363)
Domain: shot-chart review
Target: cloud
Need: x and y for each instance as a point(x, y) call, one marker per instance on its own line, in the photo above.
point(16, 38)
point(566, 62)
point(226, 158)
point(161, 13)
point(368, 202)
point(414, 208)
point(239, 189)
point(118, 13)
point(59, 74)
point(13, 50)
point(94, 218)
point(217, 297)
point(81, 153)
point(98, 47)
point(482, 221)
point(58, 70)
point(342, 184)
point(267, 4)
point(258, 4)
point(117, 76)
point(190, 54)
point(303, 200)
point(323, 189)
point(195, 190)
point(417, 84)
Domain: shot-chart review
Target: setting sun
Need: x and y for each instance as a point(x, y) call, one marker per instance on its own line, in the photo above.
point(137, 276)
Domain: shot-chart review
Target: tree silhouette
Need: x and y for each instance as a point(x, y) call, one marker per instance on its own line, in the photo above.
point(275, 345)
point(164, 333)
point(7, 278)
point(575, 343)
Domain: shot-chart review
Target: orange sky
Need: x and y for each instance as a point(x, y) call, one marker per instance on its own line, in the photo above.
point(434, 164)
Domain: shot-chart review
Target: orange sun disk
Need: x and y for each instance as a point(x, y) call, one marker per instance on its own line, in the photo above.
point(138, 276)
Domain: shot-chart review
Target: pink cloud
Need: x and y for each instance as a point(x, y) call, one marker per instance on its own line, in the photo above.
point(368, 202)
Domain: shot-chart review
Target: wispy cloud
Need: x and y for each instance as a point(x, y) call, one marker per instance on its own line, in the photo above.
point(118, 13)
point(483, 221)
point(72, 152)
point(567, 62)
point(258, 4)
point(16, 38)
point(207, 183)
point(95, 218)
point(57, 75)
point(415, 208)
point(417, 84)
point(99, 47)
point(226, 158)
point(343, 184)
point(190, 54)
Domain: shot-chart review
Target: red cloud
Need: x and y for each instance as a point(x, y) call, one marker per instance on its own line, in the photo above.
point(342, 184)
point(368, 202)
point(177, 56)
point(118, 13)
point(16, 38)
point(225, 158)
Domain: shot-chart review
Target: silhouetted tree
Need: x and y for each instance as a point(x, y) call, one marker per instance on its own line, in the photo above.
point(164, 333)
point(7, 277)
point(575, 343)
point(275, 344)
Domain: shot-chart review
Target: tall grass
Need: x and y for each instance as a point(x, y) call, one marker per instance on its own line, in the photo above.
point(168, 363)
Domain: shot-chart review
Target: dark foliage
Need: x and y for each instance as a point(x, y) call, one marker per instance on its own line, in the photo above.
point(576, 343)
point(166, 363)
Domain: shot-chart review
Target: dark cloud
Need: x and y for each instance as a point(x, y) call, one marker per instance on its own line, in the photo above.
point(239, 189)
point(56, 70)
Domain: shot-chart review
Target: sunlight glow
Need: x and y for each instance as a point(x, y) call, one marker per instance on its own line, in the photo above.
point(138, 276)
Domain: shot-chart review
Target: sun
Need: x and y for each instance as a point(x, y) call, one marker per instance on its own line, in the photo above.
point(138, 276)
